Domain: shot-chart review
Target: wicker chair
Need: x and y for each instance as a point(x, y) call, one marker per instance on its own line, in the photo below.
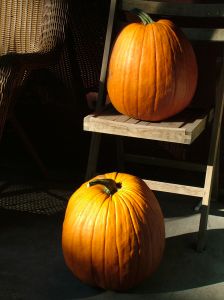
point(31, 35)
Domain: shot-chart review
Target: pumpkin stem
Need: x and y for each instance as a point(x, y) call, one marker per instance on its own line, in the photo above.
point(110, 186)
point(143, 16)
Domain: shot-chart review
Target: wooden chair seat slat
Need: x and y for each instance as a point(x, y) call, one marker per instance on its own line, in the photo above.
point(177, 132)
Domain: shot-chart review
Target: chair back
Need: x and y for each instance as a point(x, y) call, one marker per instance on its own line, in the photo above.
point(30, 26)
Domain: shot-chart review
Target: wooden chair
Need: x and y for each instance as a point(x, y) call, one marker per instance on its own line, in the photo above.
point(184, 130)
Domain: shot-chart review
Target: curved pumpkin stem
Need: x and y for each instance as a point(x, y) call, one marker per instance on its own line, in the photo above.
point(110, 186)
point(143, 16)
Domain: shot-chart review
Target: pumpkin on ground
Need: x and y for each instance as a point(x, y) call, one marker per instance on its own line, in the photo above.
point(113, 232)
point(152, 73)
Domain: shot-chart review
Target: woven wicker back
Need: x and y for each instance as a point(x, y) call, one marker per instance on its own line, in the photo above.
point(28, 26)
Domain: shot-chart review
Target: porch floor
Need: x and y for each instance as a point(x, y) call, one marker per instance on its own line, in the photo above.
point(32, 264)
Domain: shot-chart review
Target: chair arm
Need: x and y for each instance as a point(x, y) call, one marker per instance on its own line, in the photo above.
point(30, 61)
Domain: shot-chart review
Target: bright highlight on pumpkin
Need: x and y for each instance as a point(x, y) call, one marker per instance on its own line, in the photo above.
point(113, 232)
point(153, 71)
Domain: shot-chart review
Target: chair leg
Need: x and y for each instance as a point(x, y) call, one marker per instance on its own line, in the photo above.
point(93, 155)
point(210, 186)
point(213, 161)
point(205, 208)
point(215, 190)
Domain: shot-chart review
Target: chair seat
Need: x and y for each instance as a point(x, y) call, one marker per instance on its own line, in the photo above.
point(183, 128)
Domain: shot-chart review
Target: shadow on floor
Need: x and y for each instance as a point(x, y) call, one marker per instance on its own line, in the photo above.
point(32, 264)
point(183, 268)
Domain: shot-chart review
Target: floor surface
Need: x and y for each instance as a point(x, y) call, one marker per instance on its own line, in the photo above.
point(32, 264)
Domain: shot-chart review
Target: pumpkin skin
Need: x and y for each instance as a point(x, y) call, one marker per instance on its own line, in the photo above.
point(113, 241)
point(152, 73)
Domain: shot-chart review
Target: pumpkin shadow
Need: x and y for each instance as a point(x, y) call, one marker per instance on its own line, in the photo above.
point(178, 206)
point(67, 286)
point(175, 206)
point(184, 268)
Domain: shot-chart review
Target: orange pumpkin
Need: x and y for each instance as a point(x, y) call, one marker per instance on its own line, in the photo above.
point(113, 232)
point(152, 72)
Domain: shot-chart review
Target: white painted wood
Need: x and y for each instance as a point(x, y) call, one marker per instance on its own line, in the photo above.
point(121, 118)
point(194, 129)
point(171, 131)
point(98, 124)
point(207, 186)
point(175, 188)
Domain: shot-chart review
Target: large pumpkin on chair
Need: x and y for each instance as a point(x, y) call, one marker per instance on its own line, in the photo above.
point(113, 232)
point(152, 72)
